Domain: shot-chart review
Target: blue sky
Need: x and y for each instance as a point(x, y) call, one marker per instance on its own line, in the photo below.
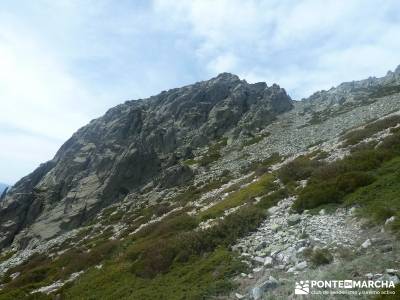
point(65, 62)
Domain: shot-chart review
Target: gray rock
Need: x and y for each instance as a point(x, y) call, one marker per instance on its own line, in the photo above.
point(272, 210)
point(261, 245)
point(392, 271)
point(293, 219)
point(15, 275)
point(388, 277)
point(369, 276)
point(268, 261)
point(390, 220)
point(276, 227)
point(366, 244)
point(258, 259)
point(258, 291)
point(301, 266)
point(239, 296)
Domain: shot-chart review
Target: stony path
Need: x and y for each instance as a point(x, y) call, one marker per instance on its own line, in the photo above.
point(283, 236)
point(279, 243)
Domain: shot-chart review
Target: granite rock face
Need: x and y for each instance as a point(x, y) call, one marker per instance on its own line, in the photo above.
point(135, 144)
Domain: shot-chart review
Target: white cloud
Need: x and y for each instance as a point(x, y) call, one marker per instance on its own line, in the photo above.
point(302, 45)
point(224, 63)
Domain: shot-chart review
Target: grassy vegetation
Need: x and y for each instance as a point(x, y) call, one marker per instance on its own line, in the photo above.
point(255, 139)
point(273, 198)
point(368, 177)
point(381, 199)
point(213, 153)
point(318, 257)
point(190, 162)
point(6, 255)
point(168, 259)
point(356, 136)
point(40, 270)
point(193, 193)
point(198, 278)
point(299, 169)
point(244, 195)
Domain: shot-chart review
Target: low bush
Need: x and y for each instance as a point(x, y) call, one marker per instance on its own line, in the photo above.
point(320, 257)
point(156, 256)
point(299, 169)
point(272, 199)
point(363, 170)
point(380, 200)
point(177, 221)
point(356, 136)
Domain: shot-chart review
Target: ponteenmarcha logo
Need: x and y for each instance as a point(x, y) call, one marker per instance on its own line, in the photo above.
point(353, 287)
point(302, 287)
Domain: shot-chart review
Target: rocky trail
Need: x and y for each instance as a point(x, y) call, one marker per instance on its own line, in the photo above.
point(279, 251)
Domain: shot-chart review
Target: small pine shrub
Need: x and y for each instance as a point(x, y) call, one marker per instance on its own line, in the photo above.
point(321, 257)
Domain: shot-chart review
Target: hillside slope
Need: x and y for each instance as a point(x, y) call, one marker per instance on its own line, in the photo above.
point(218, 189)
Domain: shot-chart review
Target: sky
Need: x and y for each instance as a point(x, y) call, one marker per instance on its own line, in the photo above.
point(65, 62)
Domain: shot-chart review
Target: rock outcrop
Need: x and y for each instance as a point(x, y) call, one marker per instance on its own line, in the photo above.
point(135, 144)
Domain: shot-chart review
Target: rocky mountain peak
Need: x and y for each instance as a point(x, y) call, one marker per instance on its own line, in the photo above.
point(135, 144)
point(225, 76)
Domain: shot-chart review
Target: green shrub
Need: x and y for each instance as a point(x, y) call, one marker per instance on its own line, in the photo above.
point(315, 195)
point(367, 177)
point(349, 182)
point(173, 223)
point(381, 199)
point(156, 259)
point(202, 277)
point(156, 256)
point(330, 191)
point(356, 136)
point(320, 257)
point(299, 169)
point(272, 199)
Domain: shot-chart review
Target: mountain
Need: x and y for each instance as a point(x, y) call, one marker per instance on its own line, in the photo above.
point(180, 184)
point(128, 148)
